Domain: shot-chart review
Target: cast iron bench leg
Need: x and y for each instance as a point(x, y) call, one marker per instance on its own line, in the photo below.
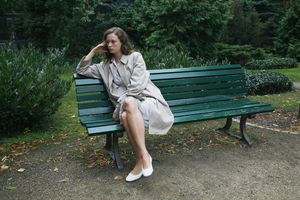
point(243, 129)
point(116, 150)
point(112, 147)
point(227, 126)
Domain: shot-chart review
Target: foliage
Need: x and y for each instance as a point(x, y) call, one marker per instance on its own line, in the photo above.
point(30, 86)
point(287, 42)
point(245, 27)
point(261, 83)
point(195, 25)
point(173, 57)
point(272, 63)
point(239, 54)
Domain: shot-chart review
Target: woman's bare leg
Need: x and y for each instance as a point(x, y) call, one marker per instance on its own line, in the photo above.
point(134, 125)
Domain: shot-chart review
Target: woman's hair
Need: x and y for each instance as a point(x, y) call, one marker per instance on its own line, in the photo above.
point(126, 46)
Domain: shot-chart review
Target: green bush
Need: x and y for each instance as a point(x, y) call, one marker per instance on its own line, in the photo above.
point(174, 57)
point(273, 63)
point(261, 83)
point(30, 87)
point(239, 54)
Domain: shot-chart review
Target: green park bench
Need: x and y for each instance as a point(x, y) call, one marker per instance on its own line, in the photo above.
point(193, 94)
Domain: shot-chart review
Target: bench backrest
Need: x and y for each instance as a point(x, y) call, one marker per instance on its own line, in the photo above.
point(179, 86)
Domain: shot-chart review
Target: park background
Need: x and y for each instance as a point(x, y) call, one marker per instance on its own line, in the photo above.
point(42, 41)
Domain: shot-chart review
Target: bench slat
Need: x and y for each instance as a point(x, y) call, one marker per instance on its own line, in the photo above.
point(196, 74)
point(189, 101)
point(196, 68)
point(91, 97)
point(221, 114)
point(215, 104)
point(183, 81)
point(87, 81)
point(95, 104)
point(237, 92)
point(201, 87)
point(90, 88)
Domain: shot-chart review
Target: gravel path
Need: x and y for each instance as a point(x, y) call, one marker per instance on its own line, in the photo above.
point(192, 168)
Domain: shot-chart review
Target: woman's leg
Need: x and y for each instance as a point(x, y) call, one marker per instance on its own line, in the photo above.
point(134, 125)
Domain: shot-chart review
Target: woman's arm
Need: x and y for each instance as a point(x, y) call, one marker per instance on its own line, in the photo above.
point(85, 67)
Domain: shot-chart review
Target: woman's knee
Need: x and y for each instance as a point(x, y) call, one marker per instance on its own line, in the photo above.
point(130, 104)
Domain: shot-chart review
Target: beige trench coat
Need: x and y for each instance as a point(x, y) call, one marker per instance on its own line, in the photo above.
point(138, 84)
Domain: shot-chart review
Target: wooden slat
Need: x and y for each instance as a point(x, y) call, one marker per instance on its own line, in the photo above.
point(238, 92)
point(196, 74)
point(99, 110)
point(197, 80)
point(95, 104)
point(88, 81)
point(90, 88)
point(189, 101)
point(217, 104)
point(192, 69)
point(222, 114)
point(90, 97)
point(201, 87)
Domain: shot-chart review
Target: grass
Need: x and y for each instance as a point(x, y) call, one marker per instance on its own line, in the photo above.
point(292, 73)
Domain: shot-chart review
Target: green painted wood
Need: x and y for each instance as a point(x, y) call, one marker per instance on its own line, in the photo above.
point(92, 111)
point(90, 97)
point(191, 69)
point(216, 104)
point(236, 92)
point(217, 109)
point(95, 104)
point(188, 101)
point(201, 87)
point(88, 81)
point(197, 80)
point(90, 88)
point(222, 114)
point(196, 74)
point(104, 129)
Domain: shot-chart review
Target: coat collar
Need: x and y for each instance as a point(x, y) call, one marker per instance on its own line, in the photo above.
point(124, 59)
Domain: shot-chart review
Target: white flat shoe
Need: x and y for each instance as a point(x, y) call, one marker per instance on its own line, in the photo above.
point(148, 172)
point(133, 177)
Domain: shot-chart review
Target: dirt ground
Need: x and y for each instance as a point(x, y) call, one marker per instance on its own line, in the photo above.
point(198, 164)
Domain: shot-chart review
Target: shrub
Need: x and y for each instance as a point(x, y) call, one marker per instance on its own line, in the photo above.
point(261, 83)
point(30, 87)
point(239, 54)
point(273, 63)
point(173, 57)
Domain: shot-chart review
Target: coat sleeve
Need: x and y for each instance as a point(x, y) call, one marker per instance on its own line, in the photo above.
point(85, 68)
point(139, 77)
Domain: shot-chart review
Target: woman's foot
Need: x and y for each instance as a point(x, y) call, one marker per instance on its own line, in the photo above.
point(148, 168)
point(133, 177)
point(135, 174)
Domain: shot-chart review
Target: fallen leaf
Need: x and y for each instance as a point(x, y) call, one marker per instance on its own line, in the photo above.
point(118, 178)
point(64, 180)
point(21, 170)
point(4, 167)
point(10, 187)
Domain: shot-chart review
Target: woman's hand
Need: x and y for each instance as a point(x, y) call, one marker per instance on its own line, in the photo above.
point(100, 48)
point(115, 114)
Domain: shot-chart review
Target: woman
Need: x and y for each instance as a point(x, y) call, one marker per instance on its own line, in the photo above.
point(138, 102)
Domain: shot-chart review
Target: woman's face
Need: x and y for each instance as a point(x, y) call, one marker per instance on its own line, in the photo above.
point(113, 43)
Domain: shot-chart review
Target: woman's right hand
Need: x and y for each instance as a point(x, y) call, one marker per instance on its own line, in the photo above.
point(100, 48)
